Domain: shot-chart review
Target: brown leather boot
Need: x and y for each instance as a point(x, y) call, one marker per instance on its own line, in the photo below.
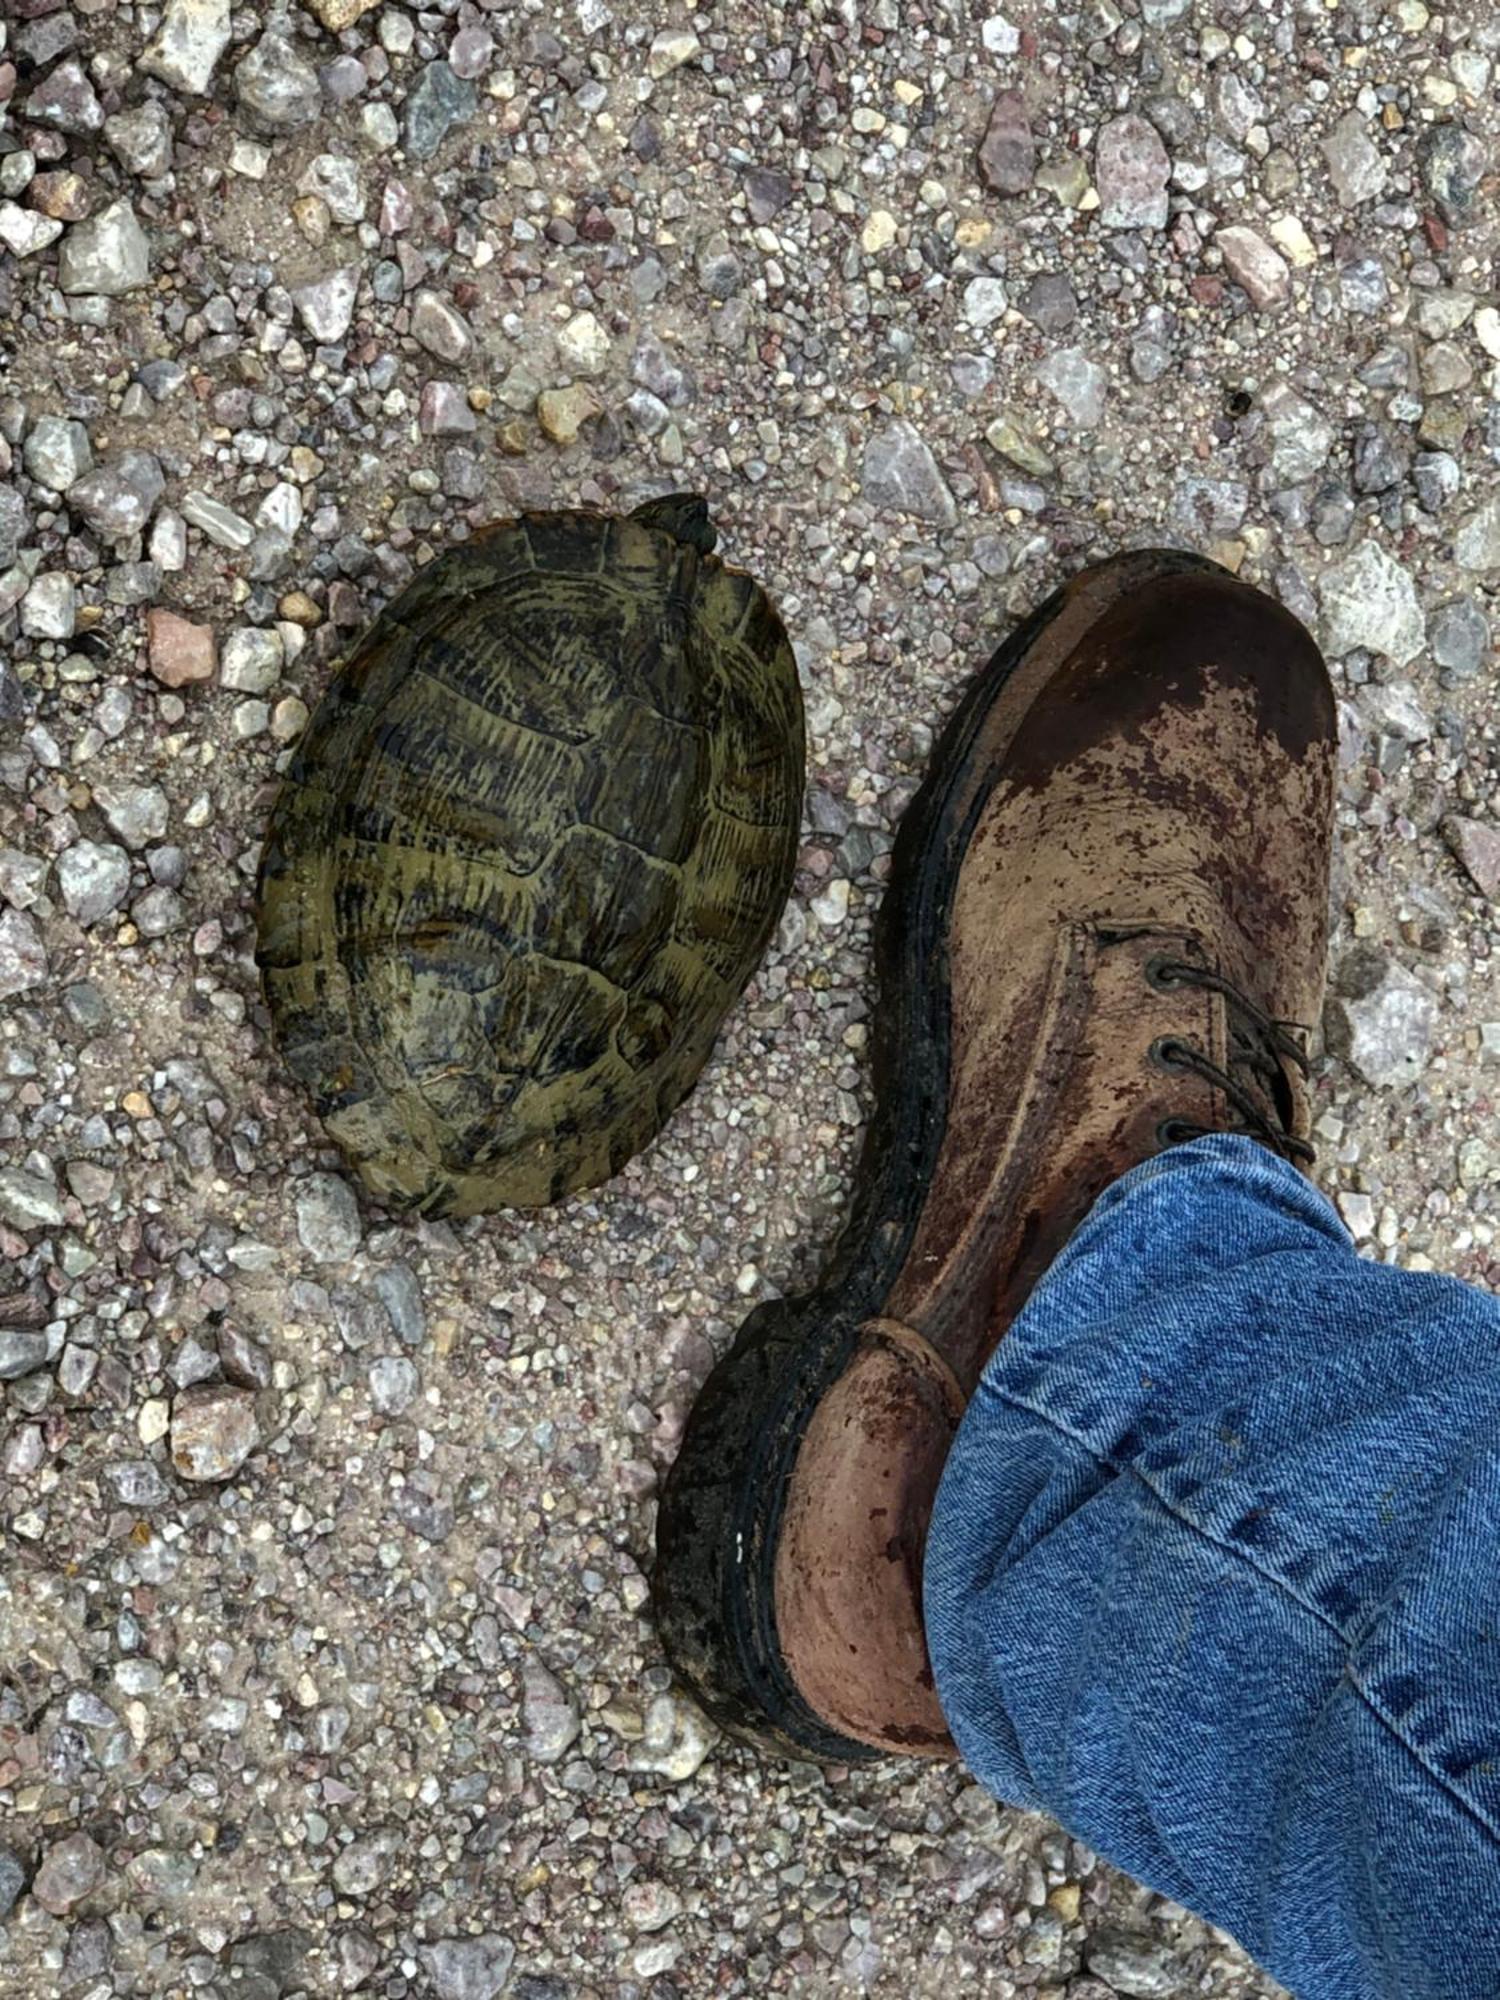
point(1105, 934)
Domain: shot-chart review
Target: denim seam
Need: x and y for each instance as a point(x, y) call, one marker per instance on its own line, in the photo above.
point(1279, 1583)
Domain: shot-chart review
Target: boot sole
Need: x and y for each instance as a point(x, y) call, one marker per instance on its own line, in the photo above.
point(719, 1519)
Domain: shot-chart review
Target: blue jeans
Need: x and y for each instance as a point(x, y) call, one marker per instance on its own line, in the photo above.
point(1214, 1576)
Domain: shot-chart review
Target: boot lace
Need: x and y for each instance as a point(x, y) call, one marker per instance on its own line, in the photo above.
point(1254, 1081)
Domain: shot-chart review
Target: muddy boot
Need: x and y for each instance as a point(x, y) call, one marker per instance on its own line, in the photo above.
point(1104, 935)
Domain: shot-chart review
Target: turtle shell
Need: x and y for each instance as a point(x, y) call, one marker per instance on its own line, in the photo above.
point(532, 845)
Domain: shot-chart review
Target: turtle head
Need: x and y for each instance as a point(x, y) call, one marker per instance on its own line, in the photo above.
point(684, 516)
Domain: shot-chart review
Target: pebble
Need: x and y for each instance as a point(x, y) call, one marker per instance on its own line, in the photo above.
point(364, 1866)
point(1050, 303)
point(117, 498)
point(1078, 383)
point(214, 1430)
point(21, 1352)
point(71, 1870)
point(394, 1384)
point(277, 89)
point(107, 255)
point(676, 1739)
point(137, 813)
point(1452, 162)
point(24, 232)
point(12, 1880)
point(93, 877)
point(49, 609)
point(334, 180)
point(328, 1225)
point(178, 651)
point(767, 193)
point(141, 139)
point(1355, 165)
point(562, 413)
point(471, 1968)
point(23, 954)
point(250, 660)
point(1007, 153)
point(1369, 600)
point(186, 48)
point(439, 101)
point(548, 1715)
point(1459, 637)
point(336, 15)
point(671, 49)
point(436, 326)
point(220, 523)
point(650, 1906)
point(67, 100)
point(326, 305)
point(1476, 546)
point(985, 301)
point(1381, 1020)
point(1132, 1965)
point(583, 345)
point(445, 411)
point(1477, 847)
point(901, 475)
point(27, 1201)
point(1261, 272)
point(1131, 168)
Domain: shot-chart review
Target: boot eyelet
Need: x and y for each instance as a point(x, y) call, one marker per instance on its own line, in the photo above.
point(1164, 974)
point(1177, 1131)
point(1168, 1052)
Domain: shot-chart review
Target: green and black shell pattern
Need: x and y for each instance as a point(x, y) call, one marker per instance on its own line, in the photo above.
point(532, 845)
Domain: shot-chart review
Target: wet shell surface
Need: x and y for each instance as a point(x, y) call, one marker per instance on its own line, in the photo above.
point(531, 847)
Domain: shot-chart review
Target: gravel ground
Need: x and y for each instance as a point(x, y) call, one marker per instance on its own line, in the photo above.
point(326, 1661)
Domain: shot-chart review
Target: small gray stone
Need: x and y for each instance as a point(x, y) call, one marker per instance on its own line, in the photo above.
point(1380, 1020)
point(71, 1870)
point(444, 411)
point(1369, 600)
point(27, 1201)
point(276, 87)
point(1477, 847)
point(326, 306)
point(12, 1880)
point(1131, 168)
point(107, 255)
point(719, 270)
point(901, 475)
point(1078, 383)
point(14, 523)
point(399, 1291)
point(137, 1482)
point(137, 813)
point(49, 610)
point(24, 232)
point(1459, 637)
point(250, 659)
point(1050, 303)
point(23, 954)
point(1301, 436)
point(1379, 460)
point(394, 1383)
point(1205, 510)
point(334, 179)
point(365, 1864)
point(1132, 1965)
point(439, 101)
point(1355, 166)
point(1437, 478)
point(1477, 544)
point(185, 48)
point(159, 911)
point(67, 100)
point(1007, 154)
point(22, 1352)
point(767, 193)
point(436, 326)
point(984, 301)
point(1394, 710)
point(57, 452)
point(93, 877)
point(220, 523)
point(328, 1225)
point(118, 497)
point(214, 1430)
point(475, 1968)
point(1452, 164)
point(141, 139)
point(547, 1713)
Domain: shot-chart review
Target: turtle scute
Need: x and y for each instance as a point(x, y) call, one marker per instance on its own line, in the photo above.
point(534, 842)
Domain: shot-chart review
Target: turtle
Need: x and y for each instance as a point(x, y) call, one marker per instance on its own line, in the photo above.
point(531, 847)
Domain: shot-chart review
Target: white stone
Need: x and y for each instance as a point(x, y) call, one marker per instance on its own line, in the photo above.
point(583, 345)
point(192, 36)
point(1369, 600)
